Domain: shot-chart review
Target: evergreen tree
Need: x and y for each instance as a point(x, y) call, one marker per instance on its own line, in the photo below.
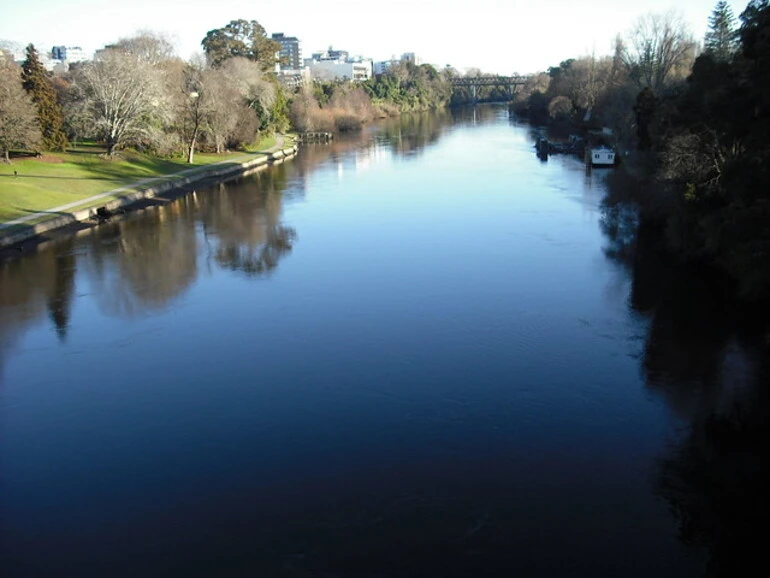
point(721, 39)
point(38, 86)
point(245, 38)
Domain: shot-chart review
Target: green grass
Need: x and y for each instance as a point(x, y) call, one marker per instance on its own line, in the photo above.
point(82, 172)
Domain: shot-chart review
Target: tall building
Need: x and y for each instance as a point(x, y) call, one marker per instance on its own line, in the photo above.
point(69, 54)
point(291, 53)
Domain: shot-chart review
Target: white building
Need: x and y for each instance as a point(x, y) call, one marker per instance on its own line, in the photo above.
point(70, 54)
point(383, 66)
point(331, 54)
point(341, 70)
point(295, 78)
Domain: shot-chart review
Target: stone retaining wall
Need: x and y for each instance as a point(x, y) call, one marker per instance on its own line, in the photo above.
point(223, 172)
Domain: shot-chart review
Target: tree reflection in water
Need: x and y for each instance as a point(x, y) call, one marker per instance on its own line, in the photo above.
point(146, 261)
point(410, 134)
point(31, 286)
point(710, 365)
point(242, 223)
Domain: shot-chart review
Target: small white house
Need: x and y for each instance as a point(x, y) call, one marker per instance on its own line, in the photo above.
point(602, 156)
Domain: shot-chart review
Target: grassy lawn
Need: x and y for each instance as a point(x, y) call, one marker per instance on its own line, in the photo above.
point(81, 172)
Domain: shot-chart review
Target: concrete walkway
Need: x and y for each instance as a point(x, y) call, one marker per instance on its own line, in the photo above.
point(279, 144)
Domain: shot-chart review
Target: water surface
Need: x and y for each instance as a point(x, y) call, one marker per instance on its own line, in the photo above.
point(414, 352)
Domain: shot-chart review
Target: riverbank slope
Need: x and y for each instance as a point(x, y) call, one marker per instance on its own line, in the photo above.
point(94, 198)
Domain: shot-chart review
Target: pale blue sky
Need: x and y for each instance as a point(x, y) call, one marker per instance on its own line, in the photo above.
point(497, 36)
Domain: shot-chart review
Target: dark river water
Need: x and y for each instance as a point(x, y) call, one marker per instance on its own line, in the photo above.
point(419, 351)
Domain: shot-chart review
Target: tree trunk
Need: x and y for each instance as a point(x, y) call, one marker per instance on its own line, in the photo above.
point(7, 157)
point(191, 150)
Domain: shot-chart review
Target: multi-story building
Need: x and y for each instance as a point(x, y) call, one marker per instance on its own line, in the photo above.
point(330, 54)
point(337, 70)
point(295, 78)
point(411, 57)
point(291, 52)
point(338, 65)
point(383, 66)
point(69, 54)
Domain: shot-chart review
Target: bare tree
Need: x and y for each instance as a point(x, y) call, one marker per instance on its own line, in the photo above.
point(586, 79)
point(534, 83)
point(194, 105)
point(122, 94)
point(560, 108)
point(659, 49)
point(18, 117)
point(224, 101)
point(148, 46)
point(247, 78)
point(78, 122)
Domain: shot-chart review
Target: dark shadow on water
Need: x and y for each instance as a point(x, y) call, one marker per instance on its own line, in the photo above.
point(709, 359)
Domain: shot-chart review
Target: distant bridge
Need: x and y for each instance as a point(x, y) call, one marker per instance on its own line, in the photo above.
point(474, 82)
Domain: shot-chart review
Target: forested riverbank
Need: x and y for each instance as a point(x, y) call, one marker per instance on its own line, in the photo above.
point(693, 130)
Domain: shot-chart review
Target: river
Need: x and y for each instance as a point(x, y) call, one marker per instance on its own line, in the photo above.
point(418, 351)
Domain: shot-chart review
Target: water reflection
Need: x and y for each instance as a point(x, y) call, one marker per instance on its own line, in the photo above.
point(716, 480)
point(145, 262)
point(404, 137)
point(242, 227)
point(711, 368)
point(409, 135)
point(442, 412)
point(30, 288)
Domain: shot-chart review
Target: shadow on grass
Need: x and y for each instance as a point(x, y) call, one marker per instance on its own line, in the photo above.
point(38, 212)
point(148, 169)
point(6, 229)
point(28, 176)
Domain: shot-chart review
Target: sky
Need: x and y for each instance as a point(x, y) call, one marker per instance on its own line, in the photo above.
point(497, 36)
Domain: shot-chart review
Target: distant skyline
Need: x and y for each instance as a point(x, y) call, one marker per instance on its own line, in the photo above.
point(496, 36)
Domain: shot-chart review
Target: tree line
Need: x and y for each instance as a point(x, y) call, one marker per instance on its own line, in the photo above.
point(340, 105)
point(710, 144)
point(695, 121)
point(138, 93)
point(656, 54)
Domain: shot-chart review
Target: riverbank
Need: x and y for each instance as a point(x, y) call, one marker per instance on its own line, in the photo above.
point(90, 210)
